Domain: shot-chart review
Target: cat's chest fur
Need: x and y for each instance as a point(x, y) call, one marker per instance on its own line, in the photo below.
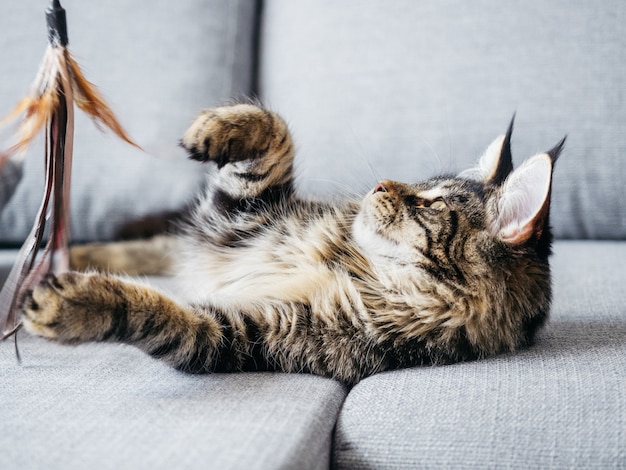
point(300, 256)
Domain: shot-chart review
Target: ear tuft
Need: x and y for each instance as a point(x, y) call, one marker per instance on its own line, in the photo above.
point(505, 162)
point(555, 151)
point(524, 202)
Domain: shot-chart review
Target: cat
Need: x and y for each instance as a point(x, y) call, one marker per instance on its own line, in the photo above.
point(453, 268)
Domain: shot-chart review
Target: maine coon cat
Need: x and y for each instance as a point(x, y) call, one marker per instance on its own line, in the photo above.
point(449, 269)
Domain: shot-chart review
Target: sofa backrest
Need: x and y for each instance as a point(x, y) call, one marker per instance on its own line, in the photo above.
point(372, 89)
point(411, 88)
point(158, 63)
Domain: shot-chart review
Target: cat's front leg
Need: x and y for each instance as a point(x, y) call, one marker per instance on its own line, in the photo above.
point(75, 308)
point(251, 146)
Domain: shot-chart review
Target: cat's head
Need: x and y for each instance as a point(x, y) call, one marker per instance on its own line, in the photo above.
point(489, 204)
point(486, 229)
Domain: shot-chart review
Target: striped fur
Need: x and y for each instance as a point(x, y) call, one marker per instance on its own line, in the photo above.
point(429, 273)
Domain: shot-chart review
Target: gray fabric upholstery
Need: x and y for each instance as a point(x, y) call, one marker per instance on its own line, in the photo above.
point(104, 406)
point(7, 258)
point(158, 63)
point(559, 404)
point(112, 407)
point(417, 88)
point(10, 177)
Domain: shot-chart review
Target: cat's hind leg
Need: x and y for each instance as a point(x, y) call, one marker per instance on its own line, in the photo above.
point(153, 256)
point(251, 147)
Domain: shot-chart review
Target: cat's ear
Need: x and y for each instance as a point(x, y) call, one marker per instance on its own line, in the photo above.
point(496, 162)
point(524, 200)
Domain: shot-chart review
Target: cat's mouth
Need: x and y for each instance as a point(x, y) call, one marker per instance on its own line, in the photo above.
point(379, 212)
point(383, 206)
point(375, 228)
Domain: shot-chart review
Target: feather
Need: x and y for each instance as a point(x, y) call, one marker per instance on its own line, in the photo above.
point(89, 100)
point(58, 86)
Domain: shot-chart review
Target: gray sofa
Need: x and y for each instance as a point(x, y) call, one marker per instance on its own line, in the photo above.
point(398, 89)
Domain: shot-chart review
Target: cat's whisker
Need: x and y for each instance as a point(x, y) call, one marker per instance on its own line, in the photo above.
point(363, 155)
point(342, 190)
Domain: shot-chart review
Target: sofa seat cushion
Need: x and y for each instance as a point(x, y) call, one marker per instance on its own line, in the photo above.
point(558, 404)
point(110, 406)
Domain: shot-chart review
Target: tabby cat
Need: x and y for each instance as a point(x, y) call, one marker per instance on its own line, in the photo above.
point(450, 269)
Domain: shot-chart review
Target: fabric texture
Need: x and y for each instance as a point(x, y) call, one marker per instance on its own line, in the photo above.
point(10, 177)
point(105, 406)
point(158, 63)
point(404, 90)
point(558, 404)
point(112, 407)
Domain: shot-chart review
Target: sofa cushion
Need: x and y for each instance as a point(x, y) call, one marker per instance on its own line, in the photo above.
point(558, 404)
point(10, 177)
point(406, 89)
point(158, 63)
point(110, 407)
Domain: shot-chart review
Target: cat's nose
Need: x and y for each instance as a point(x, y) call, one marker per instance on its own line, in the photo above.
point(386, 186)
point(380, 188)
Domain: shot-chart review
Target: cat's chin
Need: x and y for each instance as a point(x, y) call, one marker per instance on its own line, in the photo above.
point(373, 243)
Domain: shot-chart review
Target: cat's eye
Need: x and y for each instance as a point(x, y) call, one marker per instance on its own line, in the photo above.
point(438, 204)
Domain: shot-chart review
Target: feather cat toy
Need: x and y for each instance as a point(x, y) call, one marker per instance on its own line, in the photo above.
point(58, 85)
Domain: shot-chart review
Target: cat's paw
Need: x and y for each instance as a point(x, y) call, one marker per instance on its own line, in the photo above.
point(236, 133)
point(64, 308)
